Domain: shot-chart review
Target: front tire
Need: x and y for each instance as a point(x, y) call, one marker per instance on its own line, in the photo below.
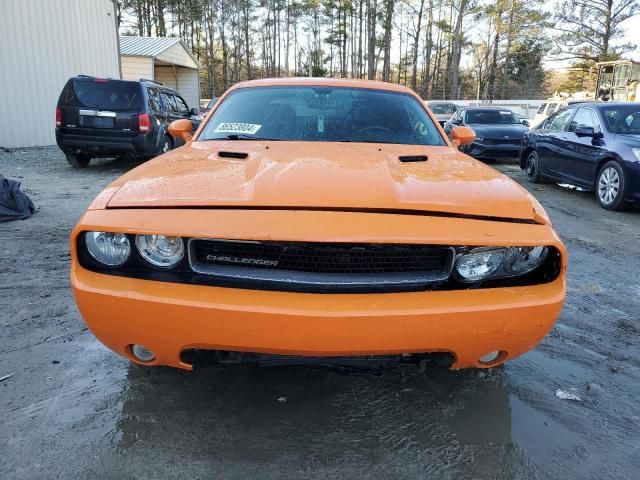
point(610, 186)
point(532, 167)
point(78, 160)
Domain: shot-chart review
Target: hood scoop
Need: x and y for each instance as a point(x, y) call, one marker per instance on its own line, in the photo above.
point(413, 158)
point(238, 155)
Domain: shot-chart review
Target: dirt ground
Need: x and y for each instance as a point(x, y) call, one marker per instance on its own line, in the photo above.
point(72, 409)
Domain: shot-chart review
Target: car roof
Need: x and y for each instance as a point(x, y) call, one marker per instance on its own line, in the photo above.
point(323, 82)
point(490, 109)
point(615, 104)
point(141, 81)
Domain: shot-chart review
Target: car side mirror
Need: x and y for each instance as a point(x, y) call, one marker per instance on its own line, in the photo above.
point(181, 129)
point(194, 111)
point(525, 122)
point(462, 136)
point(584, 131)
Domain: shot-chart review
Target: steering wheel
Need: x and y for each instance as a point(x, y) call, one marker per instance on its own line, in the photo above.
point(374, 128)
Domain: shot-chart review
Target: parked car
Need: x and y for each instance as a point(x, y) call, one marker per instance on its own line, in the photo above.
point(551, 106)
point(207, 108)
point(442, 110)
point(102, 117)
point(595, 146)
point(498, 131)
point(522, 119)
point(547, 109)
point(315, 218)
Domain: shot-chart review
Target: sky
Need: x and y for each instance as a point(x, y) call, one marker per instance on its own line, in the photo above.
point(632, 34)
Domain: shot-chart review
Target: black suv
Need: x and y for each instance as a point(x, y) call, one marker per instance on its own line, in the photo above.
point(99, 117)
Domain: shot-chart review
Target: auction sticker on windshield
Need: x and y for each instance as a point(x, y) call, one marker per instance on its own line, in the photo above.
point(235, 127)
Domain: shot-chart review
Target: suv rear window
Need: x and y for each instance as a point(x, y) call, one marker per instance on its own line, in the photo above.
point(104, 94)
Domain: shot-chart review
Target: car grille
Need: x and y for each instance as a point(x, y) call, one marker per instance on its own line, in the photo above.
point(321, 266)
point(499, 141)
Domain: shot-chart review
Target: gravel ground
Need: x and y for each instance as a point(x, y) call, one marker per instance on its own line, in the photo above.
point(72, 409)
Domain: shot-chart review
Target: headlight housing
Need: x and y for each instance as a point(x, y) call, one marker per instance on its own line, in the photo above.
point(636, 153)
point(108, 248)
point(479, 139)
point(160, 250)
point(487, 263)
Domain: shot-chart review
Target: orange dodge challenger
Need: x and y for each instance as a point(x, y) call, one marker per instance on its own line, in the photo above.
point(312, 218)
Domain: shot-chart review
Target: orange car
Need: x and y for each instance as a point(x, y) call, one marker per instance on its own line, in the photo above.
point(318, 218)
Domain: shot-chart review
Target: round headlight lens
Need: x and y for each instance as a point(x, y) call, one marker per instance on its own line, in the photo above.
point(160, 250)
point(108, 248)
point(479, 264)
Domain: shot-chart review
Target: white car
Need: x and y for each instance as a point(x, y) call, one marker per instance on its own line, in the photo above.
point(442, 110)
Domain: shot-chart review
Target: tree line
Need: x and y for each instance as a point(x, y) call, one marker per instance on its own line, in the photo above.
point(443, 49)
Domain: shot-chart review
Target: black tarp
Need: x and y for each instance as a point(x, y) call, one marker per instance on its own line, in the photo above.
point(14, 204)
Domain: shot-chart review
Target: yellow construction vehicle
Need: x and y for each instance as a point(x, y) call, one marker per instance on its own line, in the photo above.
point(618, 81)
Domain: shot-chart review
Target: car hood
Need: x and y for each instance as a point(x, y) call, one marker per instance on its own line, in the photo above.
point(309, 175)
point(499, 131)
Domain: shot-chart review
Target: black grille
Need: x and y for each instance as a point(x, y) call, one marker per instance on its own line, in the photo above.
point(323, 258)
point(322, 265)
point(498, 141)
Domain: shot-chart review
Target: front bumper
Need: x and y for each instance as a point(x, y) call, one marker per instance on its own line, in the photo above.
point(169, 318)
point(481, 151)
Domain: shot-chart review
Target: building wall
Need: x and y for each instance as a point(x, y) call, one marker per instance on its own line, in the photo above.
point(44, 42)
point(184, 80)
point(166, 76)
point(177, 55)
point(135, 68)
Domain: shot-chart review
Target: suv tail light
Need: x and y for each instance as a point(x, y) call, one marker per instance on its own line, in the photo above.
point(58, 117)
point(144, 122)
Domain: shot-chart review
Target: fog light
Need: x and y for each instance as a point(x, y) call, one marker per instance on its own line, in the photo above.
point(490, 357)
point(142, 353)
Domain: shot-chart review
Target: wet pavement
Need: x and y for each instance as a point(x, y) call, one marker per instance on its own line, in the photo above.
point(73, 409)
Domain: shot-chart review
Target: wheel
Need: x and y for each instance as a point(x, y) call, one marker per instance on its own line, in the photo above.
point(532, 168)
point(78, 160)
point(610, 186)
point(167, 145)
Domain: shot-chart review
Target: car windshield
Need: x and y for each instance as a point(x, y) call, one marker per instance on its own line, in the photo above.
point(102, 93)
point(443, 108)
point(322, 114)
point(490, 117)
point(623, 119)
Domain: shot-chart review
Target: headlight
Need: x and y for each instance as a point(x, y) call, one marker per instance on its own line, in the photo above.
point(160, 250)
point(108, 248)
point(636, 153)
point(522, 260)
point(479, 139)
point(479, 265)
point(485, 263)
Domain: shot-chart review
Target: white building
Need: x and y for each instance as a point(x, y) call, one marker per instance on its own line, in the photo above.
point(43, 44)
point(165, 60)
